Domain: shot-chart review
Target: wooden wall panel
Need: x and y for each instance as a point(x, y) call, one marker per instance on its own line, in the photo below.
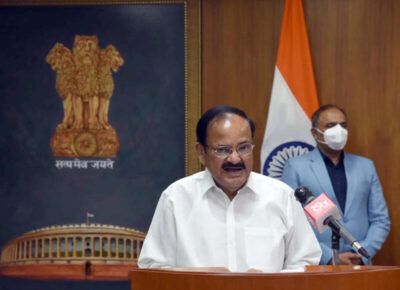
point(240, 40)
point(356, 52)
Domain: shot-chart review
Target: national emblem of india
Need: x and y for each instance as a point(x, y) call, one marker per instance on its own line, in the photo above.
point(85, 85)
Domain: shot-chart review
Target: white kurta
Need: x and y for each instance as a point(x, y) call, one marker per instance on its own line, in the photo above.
point(196, 225)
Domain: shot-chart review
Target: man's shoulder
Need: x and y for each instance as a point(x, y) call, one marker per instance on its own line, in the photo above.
point(358, 160)
point(357, 157)
point(304, 158)
point(315, 154)
point(198, 176)
point(185, 184)
point(262, 178)
point(263, 181)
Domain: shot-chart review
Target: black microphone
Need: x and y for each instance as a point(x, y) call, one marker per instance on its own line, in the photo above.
point(321, 212)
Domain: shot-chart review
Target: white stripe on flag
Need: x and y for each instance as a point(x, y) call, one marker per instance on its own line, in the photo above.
point(287, 128)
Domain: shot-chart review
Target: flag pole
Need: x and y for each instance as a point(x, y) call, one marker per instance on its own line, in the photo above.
point(88, 216)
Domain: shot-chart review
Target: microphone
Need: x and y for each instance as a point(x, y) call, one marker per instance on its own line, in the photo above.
point(322, 213)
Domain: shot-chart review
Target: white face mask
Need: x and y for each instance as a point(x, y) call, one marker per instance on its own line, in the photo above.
point(335, 137)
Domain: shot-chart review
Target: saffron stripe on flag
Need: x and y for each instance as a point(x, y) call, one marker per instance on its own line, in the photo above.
point(294, 96)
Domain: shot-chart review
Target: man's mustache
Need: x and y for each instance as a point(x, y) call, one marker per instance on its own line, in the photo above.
point(230, 166)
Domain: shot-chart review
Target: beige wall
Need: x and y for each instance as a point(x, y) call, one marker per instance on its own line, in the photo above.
point(356, 52)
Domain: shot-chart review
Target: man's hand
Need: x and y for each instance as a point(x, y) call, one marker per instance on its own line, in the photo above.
point(252, 270)
point(350, 258)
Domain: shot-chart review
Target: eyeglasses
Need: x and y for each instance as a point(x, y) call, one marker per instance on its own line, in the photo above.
point(225, 151)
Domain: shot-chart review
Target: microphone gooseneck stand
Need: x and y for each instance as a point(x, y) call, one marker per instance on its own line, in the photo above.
point(335, 248)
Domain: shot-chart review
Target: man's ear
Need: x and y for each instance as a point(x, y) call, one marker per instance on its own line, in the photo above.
point(201, 153)
point(314, 132)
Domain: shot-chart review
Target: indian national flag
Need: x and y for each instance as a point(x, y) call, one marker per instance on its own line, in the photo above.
point(294, 95)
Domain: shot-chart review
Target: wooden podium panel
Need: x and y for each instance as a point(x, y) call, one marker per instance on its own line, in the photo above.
point(324, 278)
point(79, 272)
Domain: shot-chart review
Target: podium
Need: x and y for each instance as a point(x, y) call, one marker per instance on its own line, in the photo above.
point(315, 277)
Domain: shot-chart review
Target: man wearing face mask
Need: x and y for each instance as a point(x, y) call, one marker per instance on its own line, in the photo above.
point(349, 180)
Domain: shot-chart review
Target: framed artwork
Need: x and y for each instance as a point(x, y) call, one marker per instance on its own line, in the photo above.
point(100, 103)
point(68, 19)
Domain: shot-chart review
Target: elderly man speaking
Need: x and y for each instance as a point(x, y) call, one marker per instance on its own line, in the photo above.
point(227, 215)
